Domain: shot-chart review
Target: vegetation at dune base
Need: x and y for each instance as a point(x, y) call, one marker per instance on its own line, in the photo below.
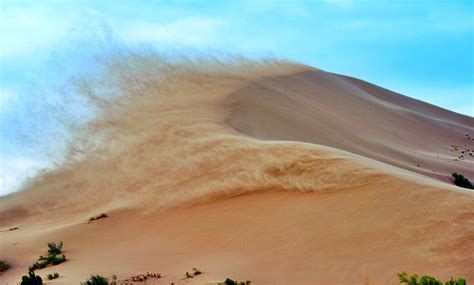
point(98, 280)
point(4, 265)
point(427, 280)
point(52, 276)
point(229, 281)
point(31, 279)
point(462, 181)
point(54, 257)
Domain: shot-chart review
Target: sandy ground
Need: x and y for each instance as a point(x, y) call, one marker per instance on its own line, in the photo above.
point(284, 175)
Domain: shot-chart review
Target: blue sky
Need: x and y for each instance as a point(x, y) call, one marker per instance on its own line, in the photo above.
point(423, 49)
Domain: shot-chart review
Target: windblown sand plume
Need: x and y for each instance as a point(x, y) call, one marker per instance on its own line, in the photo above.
point(268, 171)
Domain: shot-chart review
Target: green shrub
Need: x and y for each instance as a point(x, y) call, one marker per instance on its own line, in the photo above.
point(4, 265)
point(54, 249)
point(427, 280)
point(459, 281)
point(57, 259)
point(31, 279)
point(462, 181)
point(54, 257)
point(52, 276)
point(96, 280)
point(41, 263)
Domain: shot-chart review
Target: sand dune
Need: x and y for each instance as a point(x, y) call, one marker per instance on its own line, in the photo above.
point(272, 172)
point(323, 108)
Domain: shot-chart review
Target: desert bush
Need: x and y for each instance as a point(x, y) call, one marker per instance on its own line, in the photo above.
point(57, 259)
point(31, 279)
point(101, 216)
point(41, 263)
point(54, 249)
point(54, 257)
point(4, 265)
point(96, 280)
point(458, 281)
point(52, 276)
point(229, 281)
point(196, 271)
point(462, 181)
point(427, 280)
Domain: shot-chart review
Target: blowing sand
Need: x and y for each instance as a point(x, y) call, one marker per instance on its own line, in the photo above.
point(273, 172)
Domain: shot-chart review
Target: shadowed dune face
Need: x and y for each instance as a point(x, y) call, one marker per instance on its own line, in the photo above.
point(323, 108)
point(274, 172)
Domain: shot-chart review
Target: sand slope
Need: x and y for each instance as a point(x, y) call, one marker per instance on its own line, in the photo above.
point(277, 173)
point(349, 114)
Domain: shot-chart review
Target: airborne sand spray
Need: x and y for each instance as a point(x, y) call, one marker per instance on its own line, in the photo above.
point(109, 114)
point(51, 119)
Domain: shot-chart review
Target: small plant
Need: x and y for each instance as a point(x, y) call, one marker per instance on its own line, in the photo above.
point(101, 216)
point(188, 275)
point(427, 280)
point(196, 271)
point(54, 257)
point(459, 281)
point(4, 265)
point(54, 249)
point(462, 181)
point(96, 280)
point(229, 281)
point(13, 229)
point(31, 279)
point(52, 276)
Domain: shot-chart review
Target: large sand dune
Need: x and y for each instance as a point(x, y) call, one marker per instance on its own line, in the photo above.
point(274, 172)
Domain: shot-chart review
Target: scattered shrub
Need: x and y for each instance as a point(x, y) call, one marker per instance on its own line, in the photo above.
point(229, 281)
point(31, 279)
point(459, 281)
point(427, 280)
point(196, 271)
point(4, 265)
point(57, 259)
point(96, 280)
point(54, 249)
point(188, 275)
point(13, 229)
point(54, 257)
point(52, 276)
point(462, 181)
point(101, 216)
